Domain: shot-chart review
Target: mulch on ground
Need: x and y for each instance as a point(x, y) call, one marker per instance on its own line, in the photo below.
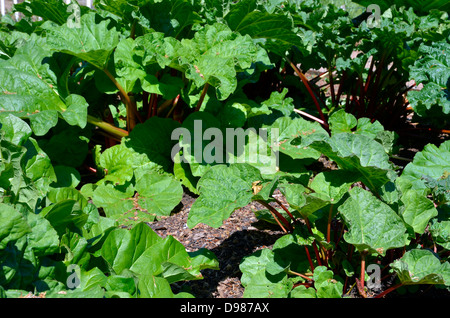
point(240, 235)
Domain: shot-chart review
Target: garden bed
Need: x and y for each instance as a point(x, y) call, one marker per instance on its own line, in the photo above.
point(231, 149)
point(241, 235)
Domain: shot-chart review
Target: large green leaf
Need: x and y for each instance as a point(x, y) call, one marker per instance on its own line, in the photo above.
point(135, 62)
point(121, 8)
point(152, 195)
point(440, 188)
point(18, 265)
point(16, 130)
point(76, 247)
point(333, 184)
point(12, 175)
point(119, 163)
point(432, 162)
point(258, 282)
point(325, 284)
point(360, 155)
point(421, 267)
point(28, 89)
point(66, 147)
point(93, 41)
point(433, 71)
point(115, 200)
point(289, 253)
point(295, 135)
point(26, 172)
point(417, 210)
point(23, 240)
point(173, 17)
point(273, 31)
point(13, 226)
point(265, 272)
point(154, 287)
point(182, 172)
point(157, 193)
point(326, 188)
point(155, 48)
point(341, 122)
point(222, 190)
point(10, 41)
point(157, 287)
point(43, 239)
point(441, 233)
point(372, 225)
point(199, 151)
point(123, 247)
point(304, 202)
point(64, 214)
point(154, 139)
point(153, 258)
point(215, 55)
point(170, 260)
point(38, 167)
point(257, 148)
point(53, 10)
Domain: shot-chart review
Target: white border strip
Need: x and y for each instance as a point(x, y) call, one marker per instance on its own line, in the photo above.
point(2, 7)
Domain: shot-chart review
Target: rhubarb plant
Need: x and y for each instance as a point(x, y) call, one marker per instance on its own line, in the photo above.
point(364, 212)
point(54, 242)
point(108, 115)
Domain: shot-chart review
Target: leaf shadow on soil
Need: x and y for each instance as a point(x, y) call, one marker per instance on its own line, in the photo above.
point(222, 283)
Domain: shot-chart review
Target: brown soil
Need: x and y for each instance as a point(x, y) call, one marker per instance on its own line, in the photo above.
point(239, 236)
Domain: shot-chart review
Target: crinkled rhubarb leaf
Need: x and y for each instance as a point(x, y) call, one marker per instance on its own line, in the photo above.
point(372, 225)
point(359, 155)
point(93, 42)
point(222, 190)
point(29, 89)
point(121, 8)
point(419, 266)
point(13, 226)
point(341, 121)
point(441, 233)
point(65, 213)
point(67, 146)
point(152, 195)
point(325, 284)
point(215, 55)
point(26, 172)
point(273, 31)
point(16, 130)
point(417, 210)
point(433, 71)
point(295, 135)
point(432, 162)
point(120, 163)
point(258, 282)
point(173, 17)
point(53, 10)
point(154, 139)
point(201, 142)
point(333, 184)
